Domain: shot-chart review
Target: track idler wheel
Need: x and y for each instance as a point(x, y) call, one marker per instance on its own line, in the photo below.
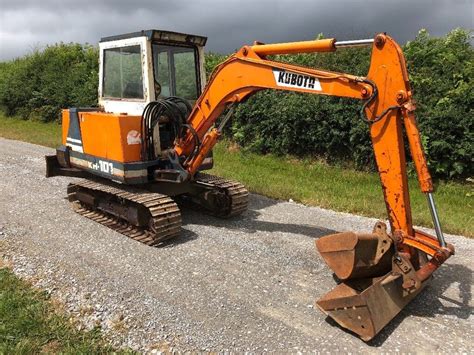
point(376, 281)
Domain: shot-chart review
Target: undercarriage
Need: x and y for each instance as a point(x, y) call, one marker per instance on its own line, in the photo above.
point(148, 216)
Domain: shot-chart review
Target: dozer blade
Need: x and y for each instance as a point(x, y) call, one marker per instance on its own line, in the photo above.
point(372, 291)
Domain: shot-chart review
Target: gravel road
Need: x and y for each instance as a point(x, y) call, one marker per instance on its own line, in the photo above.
point(246, 284)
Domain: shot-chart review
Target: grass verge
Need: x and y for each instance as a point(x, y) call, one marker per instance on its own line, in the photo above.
point(315, 183)
point(47, 134)
point(29, 324)
point(307, 181)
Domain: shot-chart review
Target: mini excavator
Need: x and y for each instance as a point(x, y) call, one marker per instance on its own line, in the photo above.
point(141, 156)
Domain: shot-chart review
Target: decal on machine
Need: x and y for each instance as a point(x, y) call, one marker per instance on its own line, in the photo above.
point(74, 144)
point(133, 137)
point(103, 166)
point(294, 80)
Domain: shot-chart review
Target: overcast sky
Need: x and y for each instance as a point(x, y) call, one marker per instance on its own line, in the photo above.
point(29, 24)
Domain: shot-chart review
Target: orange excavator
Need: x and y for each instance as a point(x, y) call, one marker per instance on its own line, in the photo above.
point(141, 154)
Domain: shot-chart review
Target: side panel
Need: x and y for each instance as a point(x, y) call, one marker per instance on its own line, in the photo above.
point(110, 136)
point(71, 128)
point(64, 125)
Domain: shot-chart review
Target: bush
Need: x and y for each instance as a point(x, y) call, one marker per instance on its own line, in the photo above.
point(212, 60)
point(37, 86)
point(441, 72)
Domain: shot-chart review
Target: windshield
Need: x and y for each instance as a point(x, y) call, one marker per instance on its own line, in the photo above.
point(123, 73)
point(175, 70)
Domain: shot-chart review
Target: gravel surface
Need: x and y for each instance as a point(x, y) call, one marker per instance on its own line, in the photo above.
point(246, 284)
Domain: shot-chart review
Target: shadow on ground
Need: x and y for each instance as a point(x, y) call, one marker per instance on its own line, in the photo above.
point(184, 237)
point(248, 222)
point(432, 302)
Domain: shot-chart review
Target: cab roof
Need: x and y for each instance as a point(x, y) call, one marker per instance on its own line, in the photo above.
point(160, 35)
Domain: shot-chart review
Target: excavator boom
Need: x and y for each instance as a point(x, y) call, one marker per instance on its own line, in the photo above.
point(381, 272)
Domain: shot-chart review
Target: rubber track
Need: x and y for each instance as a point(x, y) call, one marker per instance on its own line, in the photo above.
point(235, 190)
point(165, 214)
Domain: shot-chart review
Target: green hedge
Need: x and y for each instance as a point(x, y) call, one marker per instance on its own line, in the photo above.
point(441, 72)
point(37, 86)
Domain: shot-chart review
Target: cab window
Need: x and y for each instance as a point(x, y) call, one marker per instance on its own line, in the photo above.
point(123, 73)
point(175, 70)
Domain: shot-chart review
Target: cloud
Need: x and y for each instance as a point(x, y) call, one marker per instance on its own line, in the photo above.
point(229, 24)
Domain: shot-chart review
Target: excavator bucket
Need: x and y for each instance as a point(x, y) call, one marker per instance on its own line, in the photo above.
point(365, 306)
point(372, 289)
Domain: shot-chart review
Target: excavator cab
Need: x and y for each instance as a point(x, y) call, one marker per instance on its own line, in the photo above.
point(141, 67)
